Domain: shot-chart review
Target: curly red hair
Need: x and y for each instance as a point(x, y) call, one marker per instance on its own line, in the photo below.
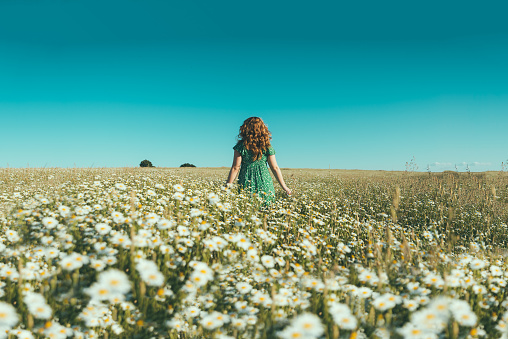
point(255, 135)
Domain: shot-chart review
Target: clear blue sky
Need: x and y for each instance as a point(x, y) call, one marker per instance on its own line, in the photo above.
point(364, 85)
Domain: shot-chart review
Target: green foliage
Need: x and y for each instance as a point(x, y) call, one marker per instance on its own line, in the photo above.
point(187, 165)
point(145, 163)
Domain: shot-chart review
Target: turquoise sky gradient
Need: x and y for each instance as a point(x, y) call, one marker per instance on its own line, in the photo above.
point(366, 85)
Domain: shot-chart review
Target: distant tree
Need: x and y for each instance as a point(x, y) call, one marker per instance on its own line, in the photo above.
point(145, 163)
point(187, 165)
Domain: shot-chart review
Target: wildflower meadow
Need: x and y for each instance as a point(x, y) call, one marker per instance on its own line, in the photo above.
point(172, 253)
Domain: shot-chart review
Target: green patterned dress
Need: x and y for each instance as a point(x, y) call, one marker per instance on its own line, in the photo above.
point(254, 175)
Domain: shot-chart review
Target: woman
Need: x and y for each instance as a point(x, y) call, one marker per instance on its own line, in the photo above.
point(252, 153)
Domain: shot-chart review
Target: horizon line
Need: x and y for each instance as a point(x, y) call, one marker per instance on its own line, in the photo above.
point(226, 167)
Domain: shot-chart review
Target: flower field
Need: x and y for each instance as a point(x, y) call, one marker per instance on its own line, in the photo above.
point(171, 253)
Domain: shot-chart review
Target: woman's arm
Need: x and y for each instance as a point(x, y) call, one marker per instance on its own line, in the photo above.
point(277, 173)
point(235, 168)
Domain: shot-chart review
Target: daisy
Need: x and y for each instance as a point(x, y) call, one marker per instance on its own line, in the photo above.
point(239, 324)
point(203, 270)
point(280, 261)
point(64, 210)
point(117, 217)
point(99, 292)
point(9, 272)
point(292, 332)
point(103, 228)
point(430, 320)
point(192, 311)
point(342, 316)
point(268, 261)
point(440, 305)
point(40, 311)
point(150, 273)
point(12, 235)
point(176, 324)
point(220, 242)
point(413, 287)
point(382, 303)
point(116, 280)
point(243, 287)
point(477, 264)
point(73, 261)
point(368, 277)
point(410, 304)
point(224, 318)
point(8, 315)
point(462, 313)
point(98, 265)
point(203, 225)
point(251, 319)
point(152, 218)
point(178, 188)
point(346, 321)
point(479, 289)
point(121, 239)
point(120, 186)
point(411, 331)
point(364, 292)
point(243, 242)
point(423, 300)
point(309, 324)
point(23, 334)
point(252, 255)
point(465, 317)
point(213, 198)
point(210, 245)
point(433, 279)
point(55, 330)
point(241, 306)
point(198, 280)
point(496, 270)
point(116, 298)
point(164, 224)
point(210, 322)
point(261, 298)
point(183, 231)
point(166, 249)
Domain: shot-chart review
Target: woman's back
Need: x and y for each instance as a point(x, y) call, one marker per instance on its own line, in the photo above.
point(250, 159)
point(248, 156)
point(254, 175)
